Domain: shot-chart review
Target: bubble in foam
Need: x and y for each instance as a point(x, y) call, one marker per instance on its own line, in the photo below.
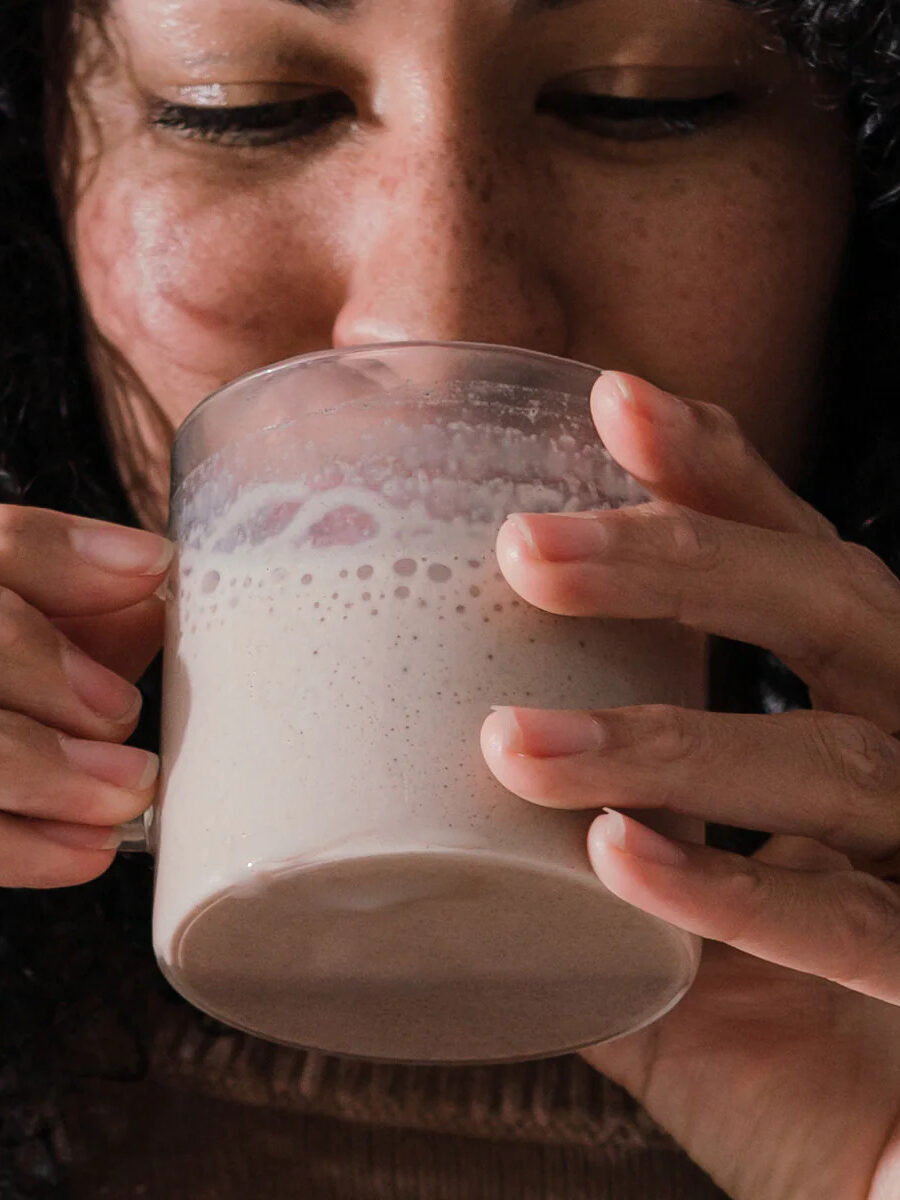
point(307, 578)
point(401, 592)
point(365, 572)
point(210, 582)
point(439, 572)
point(405, 566)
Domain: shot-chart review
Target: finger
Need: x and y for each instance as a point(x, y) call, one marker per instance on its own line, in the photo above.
point(126, 641)
point(54, 777)
point(44, 677)
point(71, 566)
point(830, 610)
point(36, 857)
point(843, 926)
point(818, 775)
point(692, 453)
point(802, 854)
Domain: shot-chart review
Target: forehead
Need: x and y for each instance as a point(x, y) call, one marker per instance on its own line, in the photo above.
point(204, 31)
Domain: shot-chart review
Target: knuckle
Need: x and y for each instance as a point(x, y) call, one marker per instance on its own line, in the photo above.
point(818, 656)
point(867, 923)
point(13, 521)
point(859, 756)
point(744, 904)
point(722, 426)
point(672, 733)
point(689, 539)
point(16, 731)
point(861, 589)
point(14, 623)
point(718, 421)
point(871, 578)
point(816, 524)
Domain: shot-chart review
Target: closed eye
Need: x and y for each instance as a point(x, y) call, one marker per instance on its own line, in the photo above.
point(254, 124)
point(626, 118)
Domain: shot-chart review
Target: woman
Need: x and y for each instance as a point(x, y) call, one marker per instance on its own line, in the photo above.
point(698, 195)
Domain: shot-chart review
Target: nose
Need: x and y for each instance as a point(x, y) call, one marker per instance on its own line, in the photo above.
point(444, 246)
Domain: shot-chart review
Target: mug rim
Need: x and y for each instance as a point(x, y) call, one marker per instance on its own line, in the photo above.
point(494, 349)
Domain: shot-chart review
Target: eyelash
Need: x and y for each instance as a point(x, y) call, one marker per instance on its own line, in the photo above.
point(254, 124)
point(634, 119)
point(619, 118)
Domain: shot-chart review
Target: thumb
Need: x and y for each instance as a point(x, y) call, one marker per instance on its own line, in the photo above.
point(126, 641)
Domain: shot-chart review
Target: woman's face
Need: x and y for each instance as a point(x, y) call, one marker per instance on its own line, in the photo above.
point(638, 184)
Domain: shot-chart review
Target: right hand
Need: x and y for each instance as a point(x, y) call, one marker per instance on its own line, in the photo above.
point(78, 625)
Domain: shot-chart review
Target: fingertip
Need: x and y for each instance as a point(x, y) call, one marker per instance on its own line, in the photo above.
point(611, 390)
point(492, 734)
point(120, 550)
point(606, 835)
point(106, 838)
point(516, 558)
point(625, 428)
point(609, 861)
point(515, 542)
point(636, 863)
point(617, 395)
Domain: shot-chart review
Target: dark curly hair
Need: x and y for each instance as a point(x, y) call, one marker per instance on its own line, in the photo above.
point(68, 952)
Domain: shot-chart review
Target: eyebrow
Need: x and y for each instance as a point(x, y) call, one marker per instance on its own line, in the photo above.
point(336, 9)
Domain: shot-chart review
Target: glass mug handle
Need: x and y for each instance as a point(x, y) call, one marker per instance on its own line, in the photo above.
point(136, 834)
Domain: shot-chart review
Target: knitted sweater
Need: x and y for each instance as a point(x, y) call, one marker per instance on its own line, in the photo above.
point(224, 1116)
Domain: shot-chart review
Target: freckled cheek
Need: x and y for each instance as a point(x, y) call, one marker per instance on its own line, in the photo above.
point(211, 289)
point(703, 298)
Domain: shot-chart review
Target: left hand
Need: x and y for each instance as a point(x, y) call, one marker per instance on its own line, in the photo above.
point(780, 1070)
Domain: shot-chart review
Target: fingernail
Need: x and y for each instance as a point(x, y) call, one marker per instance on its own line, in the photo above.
point(636, 839)
point(104, 692)
point(80, 837)
point(562, 537)
point(614, 391)
point(124, 551)
point(519, 522)
point(545, 733)
point(122, 766)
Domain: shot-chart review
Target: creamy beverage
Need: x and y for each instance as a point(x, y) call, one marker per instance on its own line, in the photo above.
point(338, 867)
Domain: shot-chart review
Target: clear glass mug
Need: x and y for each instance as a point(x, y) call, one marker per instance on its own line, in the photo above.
point(336, 867)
